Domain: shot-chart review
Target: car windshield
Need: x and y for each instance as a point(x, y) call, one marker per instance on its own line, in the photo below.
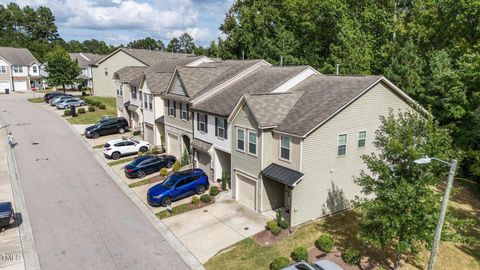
point(134, 141)
point(138, 160)
point(171, 180)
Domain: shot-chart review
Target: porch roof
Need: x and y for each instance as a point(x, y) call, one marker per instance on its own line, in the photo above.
point(132, 107)
point(201, 145)
point(160, 120)
point(282, 174)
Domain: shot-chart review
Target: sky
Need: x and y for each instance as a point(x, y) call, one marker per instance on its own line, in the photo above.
point(121, 21)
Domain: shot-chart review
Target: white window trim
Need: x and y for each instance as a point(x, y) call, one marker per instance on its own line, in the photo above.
point(34, 69)
point(244, 141)
point(365, 139)
point(3, 70)
point(256, 143)
point(171, 107)
point(221, 120)
point(150, 102)
point(17, 69)
point(183, 109)
point(201, 121)
point(289, 148)
point(338, 143)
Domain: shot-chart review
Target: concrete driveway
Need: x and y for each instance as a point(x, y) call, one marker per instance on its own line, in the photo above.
point(208, 230)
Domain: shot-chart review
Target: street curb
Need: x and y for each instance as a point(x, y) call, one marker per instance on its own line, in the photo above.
point(27, 240)
point(190, 260)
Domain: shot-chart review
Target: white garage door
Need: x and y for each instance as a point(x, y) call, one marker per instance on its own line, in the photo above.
point(3, 86)
point(149, 134)
point(246, 190)
point(173, 145)
point(20, 86)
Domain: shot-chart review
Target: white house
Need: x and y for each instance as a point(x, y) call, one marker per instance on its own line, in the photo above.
point(19, 70)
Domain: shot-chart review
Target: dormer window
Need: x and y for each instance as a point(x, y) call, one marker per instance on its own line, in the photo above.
point(34, 69)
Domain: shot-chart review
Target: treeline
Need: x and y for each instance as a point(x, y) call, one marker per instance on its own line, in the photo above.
point(431, 49)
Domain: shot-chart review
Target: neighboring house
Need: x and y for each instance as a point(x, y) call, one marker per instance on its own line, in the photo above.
point(19, 70)
point(212, 132)
point(85, 62)
point(103, 70)
point(191, 85)
point(300, 150)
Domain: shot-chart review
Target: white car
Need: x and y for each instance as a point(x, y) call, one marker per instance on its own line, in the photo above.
point(117, 148)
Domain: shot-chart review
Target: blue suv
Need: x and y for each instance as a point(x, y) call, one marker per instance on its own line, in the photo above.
point(177, 186)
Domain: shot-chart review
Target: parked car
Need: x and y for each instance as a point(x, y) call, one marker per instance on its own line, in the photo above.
point(318, 265)
point(56, 100)
point(107, 126)
point(178, 185)
point(144, 165)
point(51, 95)
point(117, 148)
point(67, 103)
point(7, 215)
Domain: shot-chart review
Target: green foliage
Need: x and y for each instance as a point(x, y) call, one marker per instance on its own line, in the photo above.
point(404, 213)
point(164, 172)
point(283, 224)
point(102, 106)
point(213, 191)
point(300, 254)
point(81, 110)
point(91, 108)
point(67, 112)
point(61, 69)
point(195, 200)
point(176, 166)
point(351, 256)
point(279, 263)
point(325, 243)
point(147, 43)
point(136, 133)
point(205, 198)
point(185, 158)
point(224, 180)
point(272, 225)
point(174, 45)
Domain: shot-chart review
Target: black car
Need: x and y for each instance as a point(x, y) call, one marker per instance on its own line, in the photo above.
point(107, 126)
point(148, 164)
point(51, 95)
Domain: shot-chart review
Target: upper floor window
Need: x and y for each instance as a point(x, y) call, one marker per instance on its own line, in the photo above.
point(241, 139)
point(362, 136)
point(17, 69)
point(134, 92)
point(184, 111)
point(145, 101)
point(172, 108)
point(3, 69)
point(221, 127)
point(120, 90)
point(284, 147)
point(202, 122)
point(150, 102)
point(34, 69)
point(106, 71)
point(252, 142)
point(342, 144)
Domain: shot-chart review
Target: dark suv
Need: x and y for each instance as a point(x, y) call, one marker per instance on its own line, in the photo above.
point(107, 126)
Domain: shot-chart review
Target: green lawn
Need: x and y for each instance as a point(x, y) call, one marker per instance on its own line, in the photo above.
point(140, 183)
point(120, 161)
point(250, 255)
point(94, 117)
point(36, 100)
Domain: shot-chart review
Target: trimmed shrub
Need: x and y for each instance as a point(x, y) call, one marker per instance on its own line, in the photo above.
point(351, 256)
point(283, 224)
point(185, 160)
point(163, 172)
point(102, 106)
point(300, 254)
point(176, 166)
point(81, 110)
point(213, 191)
point(136, 133)
point(195, 200)
point(97, 103)
point(279, 263)
point(325, 243)
point(206, 198)
point(84, 93)
point(272, 225)
point(91, 108)
point(67, 113)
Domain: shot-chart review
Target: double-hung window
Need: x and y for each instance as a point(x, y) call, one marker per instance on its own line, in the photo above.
point(34, 69)
point(106, 71)
point(145, 101)
point(240, 139)
point(150, 102)
point(202, 122)
point(342, 144)
point(184, 111)
point(252, 143)
point(284, 147)
point(221, 127)
point(134, 92)
point(120, 90)
point(17, 69)
point(362, 136)
point(3, 69)
point(171, 108)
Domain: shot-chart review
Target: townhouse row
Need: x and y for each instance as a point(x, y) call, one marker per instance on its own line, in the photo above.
point(289, 138)
point(19, 70)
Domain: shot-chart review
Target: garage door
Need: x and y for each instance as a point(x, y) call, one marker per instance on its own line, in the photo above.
point(20, 86)
point(203, 162)
point(173, 145)
point(149, 133)
point(246, 190)
point(4, 85)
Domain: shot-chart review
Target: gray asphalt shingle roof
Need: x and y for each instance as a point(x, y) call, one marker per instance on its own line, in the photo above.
point(129, 74)
point(87, 59)
point(17, 56)
point(262, 80)
point(282, 174)
point(149, 57)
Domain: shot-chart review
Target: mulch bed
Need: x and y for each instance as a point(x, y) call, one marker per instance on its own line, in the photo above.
point(335, 256)
point(157, 178)
point(266, 238)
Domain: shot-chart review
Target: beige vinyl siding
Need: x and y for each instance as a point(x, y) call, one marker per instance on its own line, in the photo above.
point(177, 88)
point(242, 161)
point(7, 75)
point(294, 162)
point(322, 166)
point(177, 121)
point(103, 85)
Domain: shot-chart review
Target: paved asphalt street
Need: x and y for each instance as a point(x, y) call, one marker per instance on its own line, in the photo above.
point(80, 218)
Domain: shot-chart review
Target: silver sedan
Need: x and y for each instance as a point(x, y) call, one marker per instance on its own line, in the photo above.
point(318, 265)
point(70, 102)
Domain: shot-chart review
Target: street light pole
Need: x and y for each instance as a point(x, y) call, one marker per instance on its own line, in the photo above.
point(441, 219)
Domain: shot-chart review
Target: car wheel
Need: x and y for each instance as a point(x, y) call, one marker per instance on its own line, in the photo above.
point(141, 174)
point(116, 155)
point(166, 201)
point(169, 164)
point(143, 149)
point(95, 135)
point(121, 130)
point(200, 189)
